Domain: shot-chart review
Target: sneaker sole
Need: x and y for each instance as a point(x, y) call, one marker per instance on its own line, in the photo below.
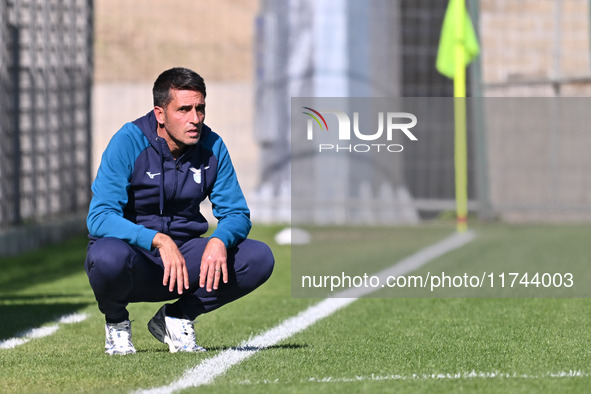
point(119, 352)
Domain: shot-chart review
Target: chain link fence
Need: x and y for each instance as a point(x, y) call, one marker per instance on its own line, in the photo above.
point(45, 82)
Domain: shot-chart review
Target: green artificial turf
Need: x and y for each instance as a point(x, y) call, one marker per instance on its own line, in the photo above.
point(382, 344)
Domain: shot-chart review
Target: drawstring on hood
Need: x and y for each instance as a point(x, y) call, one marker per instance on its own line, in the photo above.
point(202, 171)
point(161, 204)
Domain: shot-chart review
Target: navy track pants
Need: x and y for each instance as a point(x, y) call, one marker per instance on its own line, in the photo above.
point(120, 274)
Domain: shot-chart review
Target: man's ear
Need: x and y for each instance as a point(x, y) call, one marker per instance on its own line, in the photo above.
point(159, 113)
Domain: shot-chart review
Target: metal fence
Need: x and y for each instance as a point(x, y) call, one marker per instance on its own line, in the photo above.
point(46, 63)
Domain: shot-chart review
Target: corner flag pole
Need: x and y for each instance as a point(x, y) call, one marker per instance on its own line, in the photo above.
point(458, 45)
point(460, 145)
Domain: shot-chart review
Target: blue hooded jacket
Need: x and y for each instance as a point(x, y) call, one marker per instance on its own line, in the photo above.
point(140, 189)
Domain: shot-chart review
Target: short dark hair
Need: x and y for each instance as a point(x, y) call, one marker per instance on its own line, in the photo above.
point(176, 78)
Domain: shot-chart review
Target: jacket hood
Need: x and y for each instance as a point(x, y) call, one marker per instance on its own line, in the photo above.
point(148, 125)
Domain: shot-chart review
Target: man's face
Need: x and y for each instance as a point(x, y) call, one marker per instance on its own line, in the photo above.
point(182, 120)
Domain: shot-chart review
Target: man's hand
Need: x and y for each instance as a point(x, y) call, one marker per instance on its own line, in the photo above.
point(175, 269)
point(213, 264)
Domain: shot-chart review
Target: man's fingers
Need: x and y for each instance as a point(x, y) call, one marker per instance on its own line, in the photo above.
point(180, 284)
point(225, 273)
point(210, 277)
point(172, 279)
point(166, 275)
point(186, 276)
point(213, 264)
point(220, 272)
point(175, 269)
point(202, 275)
point(216, 278)
point(182, 279)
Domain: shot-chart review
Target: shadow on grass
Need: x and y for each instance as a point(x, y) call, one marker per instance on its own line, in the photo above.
point(17, 318)
point(257, 348)
point(238, 348)
point(20, 312)
point(44, 265)
point(15, 298)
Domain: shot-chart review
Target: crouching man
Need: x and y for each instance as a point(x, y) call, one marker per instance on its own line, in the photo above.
point(146, 229)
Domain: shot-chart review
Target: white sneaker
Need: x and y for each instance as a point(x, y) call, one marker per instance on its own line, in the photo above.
point(178, 334)
point(118, 338)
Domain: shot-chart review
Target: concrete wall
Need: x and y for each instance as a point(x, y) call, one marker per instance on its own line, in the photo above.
point(538, 162)
point(528, 44)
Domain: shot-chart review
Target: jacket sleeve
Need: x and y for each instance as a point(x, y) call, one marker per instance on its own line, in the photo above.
point(227, 200)
point(109, 192)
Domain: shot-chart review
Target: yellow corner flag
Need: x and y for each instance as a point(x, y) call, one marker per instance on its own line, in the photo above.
point(458, 45)
point(455, 15)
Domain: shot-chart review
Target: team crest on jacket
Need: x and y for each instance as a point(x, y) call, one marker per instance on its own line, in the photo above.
point(196, 174)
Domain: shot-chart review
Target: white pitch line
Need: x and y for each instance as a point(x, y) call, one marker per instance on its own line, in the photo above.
point(432, 376)
point(40, 332)
point(209, 369)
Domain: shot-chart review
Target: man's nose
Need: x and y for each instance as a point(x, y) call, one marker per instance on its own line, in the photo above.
point(194, 116)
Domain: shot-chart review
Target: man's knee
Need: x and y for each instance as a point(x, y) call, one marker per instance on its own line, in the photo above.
point(108, 257)
point(265, 261)
point(258, 260)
